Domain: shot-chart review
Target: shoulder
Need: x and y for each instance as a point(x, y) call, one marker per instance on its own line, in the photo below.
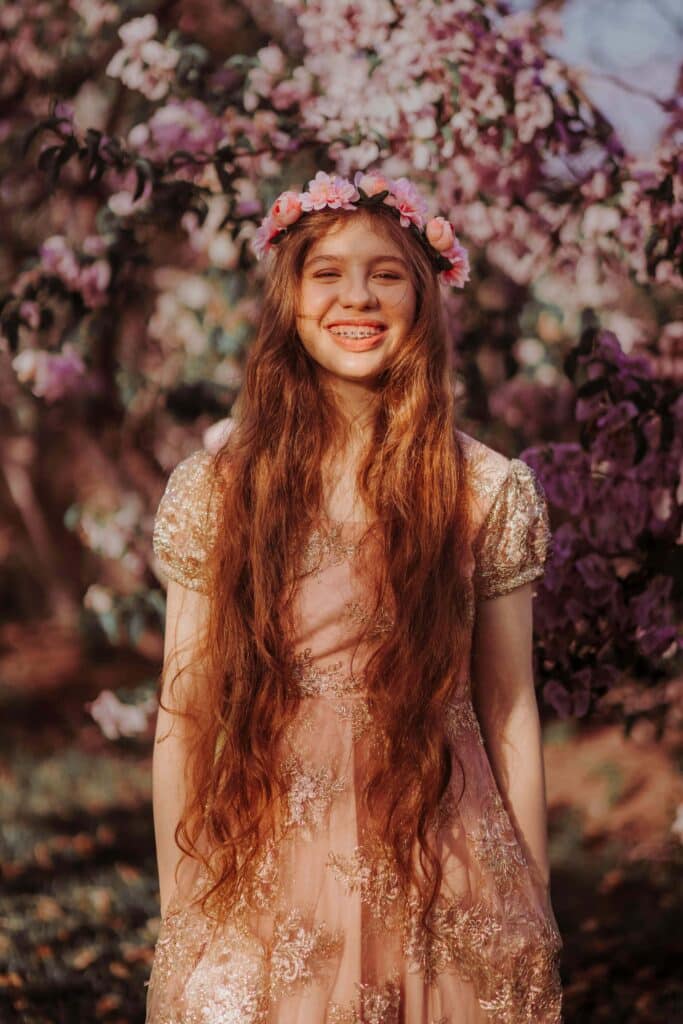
point(186, 519)
point(511, 530)
point(487, 471)
point(192, 477)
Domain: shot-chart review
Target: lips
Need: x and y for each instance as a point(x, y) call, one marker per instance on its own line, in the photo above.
point(358, 323)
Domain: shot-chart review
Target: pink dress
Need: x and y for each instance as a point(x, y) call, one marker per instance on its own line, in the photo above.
point(325, 935)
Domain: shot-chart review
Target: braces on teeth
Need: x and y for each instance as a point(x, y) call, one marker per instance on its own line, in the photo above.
point(356, 332)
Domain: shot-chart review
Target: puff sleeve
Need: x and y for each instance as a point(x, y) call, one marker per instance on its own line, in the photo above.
point(514, 540)
point(185, 523)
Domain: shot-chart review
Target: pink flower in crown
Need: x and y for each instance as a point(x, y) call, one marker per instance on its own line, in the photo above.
point(286, 209)
point(336, 193)
point(440, 234)
point(264, 236)
point(408, 201)
point(459, 272)
point(371, 182)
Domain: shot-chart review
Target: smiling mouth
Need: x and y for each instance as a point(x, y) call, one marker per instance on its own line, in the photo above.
point(358, 339)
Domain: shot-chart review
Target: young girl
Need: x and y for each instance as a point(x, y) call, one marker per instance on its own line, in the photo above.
point(348, 780)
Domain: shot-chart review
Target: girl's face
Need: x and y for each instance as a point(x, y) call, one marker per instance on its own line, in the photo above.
point(357, 301)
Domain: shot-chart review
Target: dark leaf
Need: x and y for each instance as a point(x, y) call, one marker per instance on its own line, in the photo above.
point(243, 142)
point(181, 158)
point(47, 157)
point(224, 176)
point(143, 174)
point(642, 447)
point(592, 387)
point(10, 329)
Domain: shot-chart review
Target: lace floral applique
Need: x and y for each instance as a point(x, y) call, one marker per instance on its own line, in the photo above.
point(310, 794)
point(514, 984)
point(495, 844)
point(301, 952)
point(461, 718)
point(324, 547)
point(370, 871)
point(263, 888)
point(378, 623)
point(335, 683)
point(315, 680)
point(378, 1005)
point(462, 934)
point(356, 712)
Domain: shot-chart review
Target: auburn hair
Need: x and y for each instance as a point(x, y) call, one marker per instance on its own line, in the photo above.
point(413, 480)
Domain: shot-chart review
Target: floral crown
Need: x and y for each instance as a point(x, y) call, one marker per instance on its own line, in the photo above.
point(435, 234)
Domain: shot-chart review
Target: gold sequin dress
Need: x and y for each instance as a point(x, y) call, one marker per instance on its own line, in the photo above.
point(325, 935)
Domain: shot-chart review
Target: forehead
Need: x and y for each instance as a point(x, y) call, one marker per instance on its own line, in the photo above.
point(360, 238)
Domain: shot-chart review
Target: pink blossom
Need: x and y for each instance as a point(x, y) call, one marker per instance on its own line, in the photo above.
point(94, 282)
point(25, 364)
point(286, 209)
point(405, 198)
point(440, 234)
point(144, 64)
point(459, 273)
point(116, 719)
point(94, 245)
point(30, 313)
point(50, 375)
point(180, 124)
point(61, 374)
point(272, 59)
point(95, 13)
point(533, 115)
point(58, 258)
point(371, 183)
point(334, 192)
point(98, 599)
point(292, 90)
point(139, 30)
point(263, 236)
point(122, 203)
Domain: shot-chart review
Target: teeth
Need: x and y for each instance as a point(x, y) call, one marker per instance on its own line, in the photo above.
point(356, 332)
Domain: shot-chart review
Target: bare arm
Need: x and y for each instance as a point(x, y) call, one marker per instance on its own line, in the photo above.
point(185, 618)
point(504, 697)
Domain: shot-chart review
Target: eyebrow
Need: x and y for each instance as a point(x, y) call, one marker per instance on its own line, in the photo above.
point(376, 259)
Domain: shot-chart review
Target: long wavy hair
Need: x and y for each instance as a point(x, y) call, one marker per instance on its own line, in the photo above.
point(413, 480)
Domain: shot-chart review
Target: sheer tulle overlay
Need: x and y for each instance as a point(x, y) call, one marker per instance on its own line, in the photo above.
point(325, 934)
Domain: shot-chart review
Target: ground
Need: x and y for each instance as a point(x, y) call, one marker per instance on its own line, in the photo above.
point(79, 900)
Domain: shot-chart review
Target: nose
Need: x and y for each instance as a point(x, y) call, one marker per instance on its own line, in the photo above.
point(355, 291)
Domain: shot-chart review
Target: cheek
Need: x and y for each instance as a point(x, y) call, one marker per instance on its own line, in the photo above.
point(406, 310)
point(314, 297)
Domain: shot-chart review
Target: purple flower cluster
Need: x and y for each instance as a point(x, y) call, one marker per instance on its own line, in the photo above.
point(604, 606)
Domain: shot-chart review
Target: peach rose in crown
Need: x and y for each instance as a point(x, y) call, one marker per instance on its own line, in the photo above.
point(371, 184)
point(440, 234)
point(286, 209)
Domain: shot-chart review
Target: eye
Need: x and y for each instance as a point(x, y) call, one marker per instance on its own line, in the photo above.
point(385, 273)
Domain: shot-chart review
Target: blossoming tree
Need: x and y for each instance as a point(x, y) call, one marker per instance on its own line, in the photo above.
point(140, 146)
